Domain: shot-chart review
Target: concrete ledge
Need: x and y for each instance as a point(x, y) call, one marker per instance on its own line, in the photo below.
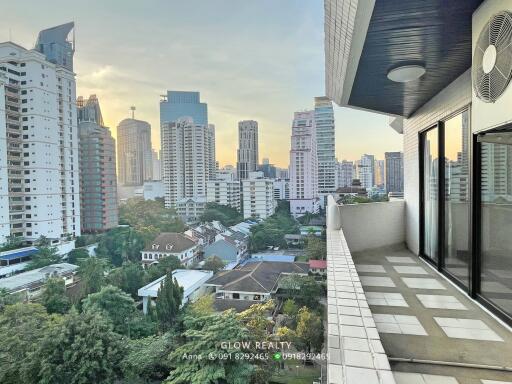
point(373, 225)
point(355, 352)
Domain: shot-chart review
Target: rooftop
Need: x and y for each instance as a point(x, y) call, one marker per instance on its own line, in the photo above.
point(171, 242)
point(36, 276)
point(188, 279)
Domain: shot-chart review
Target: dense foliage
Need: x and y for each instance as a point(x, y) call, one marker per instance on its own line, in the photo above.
point(213, 263)
point(271, 231)
point(170, 295)
point(227, 215)
point(54, 296)
point(316, 248)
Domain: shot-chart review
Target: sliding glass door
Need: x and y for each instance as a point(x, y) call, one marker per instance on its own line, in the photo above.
point(496, 219)
point(445, 195)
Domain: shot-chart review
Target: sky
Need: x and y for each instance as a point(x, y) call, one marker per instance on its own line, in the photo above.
point(258, 60)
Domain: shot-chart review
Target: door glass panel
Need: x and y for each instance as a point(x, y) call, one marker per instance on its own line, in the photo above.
point(431, 187)
point(496, 221)
point(456, 197)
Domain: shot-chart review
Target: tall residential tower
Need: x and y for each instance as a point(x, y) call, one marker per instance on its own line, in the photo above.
point(98, 183)
point(39, 187)
point(247, 154)
point(326, 146)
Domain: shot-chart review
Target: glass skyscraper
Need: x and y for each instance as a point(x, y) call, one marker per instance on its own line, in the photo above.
point(179, 104)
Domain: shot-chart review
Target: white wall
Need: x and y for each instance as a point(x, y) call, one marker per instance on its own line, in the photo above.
point(373, 225)
point(451, 99)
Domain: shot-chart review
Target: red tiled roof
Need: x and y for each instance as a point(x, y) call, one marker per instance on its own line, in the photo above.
point(318, 264)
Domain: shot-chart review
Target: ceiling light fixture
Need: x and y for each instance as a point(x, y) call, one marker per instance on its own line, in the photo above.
point(406, 73)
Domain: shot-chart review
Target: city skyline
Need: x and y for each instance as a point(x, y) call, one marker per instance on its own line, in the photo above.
point(235, 88)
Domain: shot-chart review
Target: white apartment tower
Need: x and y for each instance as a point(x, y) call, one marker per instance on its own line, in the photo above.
point(303, 164)
point(346, 173)
point(366, 171)
point(187, 160)
point(134, 152)
point(258, 196)
point(39, 172)
point(247, 154)
point(326, 146)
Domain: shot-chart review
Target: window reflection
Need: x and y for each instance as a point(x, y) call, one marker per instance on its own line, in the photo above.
point(456, 197)
point(496, 221)
point(431, 187)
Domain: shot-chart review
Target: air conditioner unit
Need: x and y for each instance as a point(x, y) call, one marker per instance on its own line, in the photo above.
point(492, 65)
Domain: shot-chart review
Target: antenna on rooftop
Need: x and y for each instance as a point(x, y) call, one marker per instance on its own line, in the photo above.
point(132, 108)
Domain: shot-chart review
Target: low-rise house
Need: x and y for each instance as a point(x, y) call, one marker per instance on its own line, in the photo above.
point(253, 282)
point(191, 209)
point(192, 281)
point(205, 233)
point(30, 283)
point(294, 239)
point(171, 244)
point(15, 260)
point(318, 266)
point(230, 246)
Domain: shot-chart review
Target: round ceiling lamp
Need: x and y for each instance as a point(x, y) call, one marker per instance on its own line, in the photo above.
point(406, 73)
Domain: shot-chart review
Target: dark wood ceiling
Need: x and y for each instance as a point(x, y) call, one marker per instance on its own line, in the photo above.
point(433, 33)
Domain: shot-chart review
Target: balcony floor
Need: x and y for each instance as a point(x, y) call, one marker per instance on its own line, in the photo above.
point(435, 321)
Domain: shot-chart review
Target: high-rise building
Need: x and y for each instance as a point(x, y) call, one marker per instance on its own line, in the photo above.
point(187, 160)
point(326, 146)
point(346, 173)
point(394, 171)
point(281, 189)
point(258, 196)
point(224, 192)
point(157, 165)
point(380, 174)
point(134, 152)
point(39, 180)
point(181, 104)
point(366, 171)
point(212, 156)
point(98, 183)
point(247, 154)
point(303, 165)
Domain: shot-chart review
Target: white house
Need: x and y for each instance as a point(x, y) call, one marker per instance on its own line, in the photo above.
point(170, 244)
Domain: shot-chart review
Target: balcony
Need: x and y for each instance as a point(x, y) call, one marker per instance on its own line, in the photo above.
point(392, 318)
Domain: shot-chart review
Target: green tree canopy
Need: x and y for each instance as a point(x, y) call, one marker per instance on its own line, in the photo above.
point(170, 295)
point(304, 290)
point(227, 215)
point(139, 213)
point(77, 254)
point(129, 277)
point(81, 349)
point(213, 263)
point(310, 330)
point(92, 274)
point(120, 245)
point(316, 248)
point(164, 266)
point(203, 336)
point(22, 326)
point(45, 256)
point(54, 296)
point(115, 305)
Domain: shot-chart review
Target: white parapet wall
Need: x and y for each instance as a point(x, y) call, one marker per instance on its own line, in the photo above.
point(372, 225)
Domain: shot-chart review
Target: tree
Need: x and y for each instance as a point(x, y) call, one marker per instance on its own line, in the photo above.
point(115, 305)
point(23, 327)
point(77, 254)
point(147, 358)
point(11, 242)
point(213, 263)
point(290, 308)
point(316, 248)
point(7, 298)
point(227, 215)
point(170, 295)
point(304, 290)
point(310, 330)
point(81, 349)
point(271, 231)
point(202, 306)
point(256, 319)
point(164, 266)
point(44, 256)
point(208, 336)
point(129, 277)
point(120, 245)
point(54, 296)
point(146, 214)
point(91, 272)
point(286, 334)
